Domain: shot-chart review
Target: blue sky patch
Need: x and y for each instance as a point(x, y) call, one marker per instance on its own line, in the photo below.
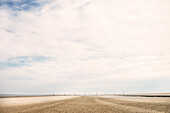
point(9, 31)
point(21, 5)
point(21, 61)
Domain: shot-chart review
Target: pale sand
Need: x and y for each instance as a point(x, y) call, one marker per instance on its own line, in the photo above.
point(31, 100)
point(141, 99)
point(88, 104)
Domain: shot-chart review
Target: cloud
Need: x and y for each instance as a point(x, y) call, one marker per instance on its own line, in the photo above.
point(66, 45)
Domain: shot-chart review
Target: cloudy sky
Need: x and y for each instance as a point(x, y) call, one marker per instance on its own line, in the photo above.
point(84, 46)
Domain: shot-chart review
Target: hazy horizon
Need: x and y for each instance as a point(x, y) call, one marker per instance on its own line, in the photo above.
point(60, 46)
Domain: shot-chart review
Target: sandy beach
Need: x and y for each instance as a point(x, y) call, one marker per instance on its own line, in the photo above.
point(14, 101)
point(85, 104)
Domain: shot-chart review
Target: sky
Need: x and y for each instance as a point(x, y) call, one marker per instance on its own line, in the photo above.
point(67, 46)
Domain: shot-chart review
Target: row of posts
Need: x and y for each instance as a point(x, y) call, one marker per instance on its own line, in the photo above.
point(85, 94)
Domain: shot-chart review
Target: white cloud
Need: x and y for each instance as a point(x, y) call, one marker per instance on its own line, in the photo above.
point(89, 41)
